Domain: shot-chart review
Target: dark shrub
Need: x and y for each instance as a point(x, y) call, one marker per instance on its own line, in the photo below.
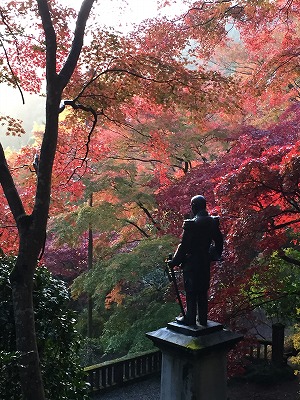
point(57, 339)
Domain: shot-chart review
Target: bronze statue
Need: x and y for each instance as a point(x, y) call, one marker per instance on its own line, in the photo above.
point(194, 254)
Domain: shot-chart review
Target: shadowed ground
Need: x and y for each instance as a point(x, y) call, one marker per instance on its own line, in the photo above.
point(149, 390)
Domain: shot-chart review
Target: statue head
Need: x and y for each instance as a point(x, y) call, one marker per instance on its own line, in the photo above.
point(198, 203)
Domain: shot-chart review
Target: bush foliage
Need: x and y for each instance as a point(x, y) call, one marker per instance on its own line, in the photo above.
point(58, 342)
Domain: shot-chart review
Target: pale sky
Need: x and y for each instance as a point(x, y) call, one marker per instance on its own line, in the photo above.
point(125, 13)
point(121, 15)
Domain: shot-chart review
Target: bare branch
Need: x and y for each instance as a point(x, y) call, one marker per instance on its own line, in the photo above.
point(279, 226)
point(290, 260)
point(79, 106)
point(12, 72)
point(153, 160)
point(138, 228)
point(147, 212)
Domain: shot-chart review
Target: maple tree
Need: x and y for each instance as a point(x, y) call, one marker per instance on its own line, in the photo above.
point(125, 63)
point(244, 18)
point(254, 187)
point(260, 89)
point(146, 114)
point(59, 59)
point(153, 77)
point(64, 261)
point(256, 44)
point(32, 226)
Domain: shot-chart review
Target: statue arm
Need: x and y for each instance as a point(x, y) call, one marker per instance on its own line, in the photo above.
point(182, 249)
point(218, 237)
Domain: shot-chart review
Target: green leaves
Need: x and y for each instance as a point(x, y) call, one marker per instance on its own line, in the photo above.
point(131, 266)
point(135, 290)
point(283, 287)
point(125, 331)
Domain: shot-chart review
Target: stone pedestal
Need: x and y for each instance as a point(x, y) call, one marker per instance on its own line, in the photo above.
point(194, 360)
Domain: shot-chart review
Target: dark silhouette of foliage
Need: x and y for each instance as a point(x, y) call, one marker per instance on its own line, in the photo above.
point(58, 342)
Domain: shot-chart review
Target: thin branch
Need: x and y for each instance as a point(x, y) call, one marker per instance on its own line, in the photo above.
point(138, 228)
point(123, 124)
point(12, 72)
point(290, 260)
point(118, 70)
point(279, 226)
point(147, 212)
point(134, 74)
point(79, 106)
point(135, 159)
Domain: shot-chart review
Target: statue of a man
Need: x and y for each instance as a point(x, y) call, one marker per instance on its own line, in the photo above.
point(194, 254)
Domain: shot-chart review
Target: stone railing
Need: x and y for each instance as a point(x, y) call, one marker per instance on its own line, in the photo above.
point(262, 349)
point(126, 369)
point(272, 350)
point(131, 368)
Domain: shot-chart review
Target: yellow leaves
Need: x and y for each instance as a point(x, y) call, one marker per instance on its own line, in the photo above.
point(75, 294)
point(115, 296)
point(295, 360)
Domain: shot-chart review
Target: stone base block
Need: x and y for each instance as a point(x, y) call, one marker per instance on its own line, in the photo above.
point(194, 360)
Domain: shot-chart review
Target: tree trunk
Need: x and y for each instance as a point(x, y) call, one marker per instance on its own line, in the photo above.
point(29, 363)
point(21, 278)
point(32, 233)
point(90, 266)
